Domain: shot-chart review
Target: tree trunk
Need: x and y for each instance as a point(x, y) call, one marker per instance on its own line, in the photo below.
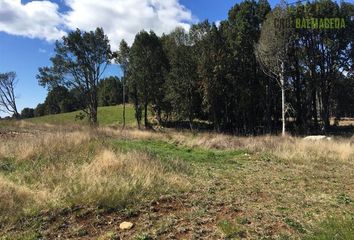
point(16, 114)
point(93, 109)
point(326, 111)
point(282, 84)
point(146, 122)
point(268, 116)
point(138, 113)
point(138, 118)
point(158, 115)
point(190, 118)
point(123, 102)
point(137, 106)
point(283, 111)
point(314, 110)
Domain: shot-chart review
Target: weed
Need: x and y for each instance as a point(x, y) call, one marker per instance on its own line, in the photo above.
point(344, 199)
point(295, 225)
point(231, 230)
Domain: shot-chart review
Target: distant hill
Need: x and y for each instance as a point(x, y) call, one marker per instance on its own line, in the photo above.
point(112, 115)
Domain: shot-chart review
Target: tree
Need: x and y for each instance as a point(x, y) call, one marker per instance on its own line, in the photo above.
point(59, 100)
point(79, 62)
point(27, 113)
point(213, 81)
point(8, 83)
point(39, 110)
point(123, 60)
point(148, 65)
point(271, 52)
point(247, 102)
point(79, 99)
point(110, 92)
point(182, 87)
point(318, 63)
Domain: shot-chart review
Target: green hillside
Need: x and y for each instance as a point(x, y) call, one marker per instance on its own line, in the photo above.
point(106, 116)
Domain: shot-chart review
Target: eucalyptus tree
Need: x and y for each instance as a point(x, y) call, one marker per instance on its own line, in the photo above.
point(8, 83)
point(319, 60)
point(123, 60)
point(272, 52)
point(327, 54)
point(246, 91)
point(148, 65)
point(212, 74)
point(182, 82)
point(79, 62)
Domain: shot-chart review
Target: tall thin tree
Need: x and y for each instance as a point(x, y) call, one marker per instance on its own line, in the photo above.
point(123, 60)
point(271, 52)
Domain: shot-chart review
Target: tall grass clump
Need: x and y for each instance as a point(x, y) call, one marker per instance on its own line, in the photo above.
point(113, 180)
point(16, 200)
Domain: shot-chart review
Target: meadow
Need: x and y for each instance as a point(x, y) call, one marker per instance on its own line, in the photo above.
point(111, 115)
point(67, 181)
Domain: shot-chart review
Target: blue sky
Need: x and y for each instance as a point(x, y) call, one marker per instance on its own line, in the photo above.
point(28, 30)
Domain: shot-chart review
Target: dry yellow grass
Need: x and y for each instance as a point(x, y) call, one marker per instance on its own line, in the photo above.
point(114, 179)
point(129, 133)
point(14, 199)
point(58, 168)
point(27, 146)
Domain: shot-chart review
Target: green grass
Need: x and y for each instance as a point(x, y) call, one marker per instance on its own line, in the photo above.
point(165, 150)
point(112, 115)
point(23, 236)
point(231, 230)
point(334, 229)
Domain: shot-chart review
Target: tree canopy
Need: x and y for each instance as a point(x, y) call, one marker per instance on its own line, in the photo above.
point(80, 60)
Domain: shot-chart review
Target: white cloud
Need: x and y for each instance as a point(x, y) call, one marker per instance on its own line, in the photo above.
point(36, 19)
point(123, 19)
point(218, 23)
point(41, 50)
point(119, 18)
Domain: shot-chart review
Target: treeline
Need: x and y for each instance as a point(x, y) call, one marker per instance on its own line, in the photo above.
point(62, 100)
point(213, 73)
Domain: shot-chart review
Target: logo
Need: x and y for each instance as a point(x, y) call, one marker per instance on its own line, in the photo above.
point(310, 23)
point(319, 23)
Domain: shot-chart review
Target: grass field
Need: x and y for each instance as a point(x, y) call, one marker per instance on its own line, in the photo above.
point(106, 116)
point(71, 182)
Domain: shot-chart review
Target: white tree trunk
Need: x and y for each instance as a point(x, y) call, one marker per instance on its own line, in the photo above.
point(282, 85)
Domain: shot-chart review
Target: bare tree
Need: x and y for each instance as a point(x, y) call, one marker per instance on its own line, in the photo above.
point(271, 51)
point(8, 83)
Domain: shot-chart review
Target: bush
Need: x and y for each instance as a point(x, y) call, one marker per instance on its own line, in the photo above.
point(27, 113)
